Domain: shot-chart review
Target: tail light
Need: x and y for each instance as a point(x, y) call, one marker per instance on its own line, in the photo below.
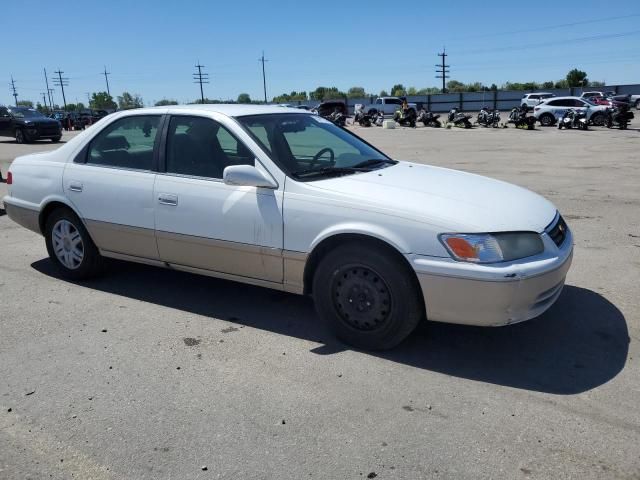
point(9, 178)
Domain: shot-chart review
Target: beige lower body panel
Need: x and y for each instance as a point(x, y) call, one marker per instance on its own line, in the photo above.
point(124, 239)
point(24, 216)
point(490, 303)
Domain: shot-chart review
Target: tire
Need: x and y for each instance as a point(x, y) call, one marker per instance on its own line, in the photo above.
point(56, 139)
point(598, 119)
point(547, 120)
point(524, 105)
point(637, 104)
point(373, 112)
point(70, 247)
point(20, 136)
point(388, 303)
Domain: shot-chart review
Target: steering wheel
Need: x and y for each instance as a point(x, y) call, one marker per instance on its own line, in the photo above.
point(316, 157)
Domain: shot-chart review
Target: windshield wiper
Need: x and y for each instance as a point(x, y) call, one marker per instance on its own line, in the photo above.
point(373, 162)
point(313, 172)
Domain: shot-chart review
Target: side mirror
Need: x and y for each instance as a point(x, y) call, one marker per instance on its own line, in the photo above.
point(247, 176)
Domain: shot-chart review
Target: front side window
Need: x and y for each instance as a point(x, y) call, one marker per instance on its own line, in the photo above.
point(305, 145)
point(126, 143)
point(201, 147)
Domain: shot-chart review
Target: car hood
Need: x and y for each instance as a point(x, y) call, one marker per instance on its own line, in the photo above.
point(38, 121)
point(451, 199)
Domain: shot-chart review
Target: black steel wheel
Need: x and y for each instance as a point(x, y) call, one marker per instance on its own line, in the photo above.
point(368, 296)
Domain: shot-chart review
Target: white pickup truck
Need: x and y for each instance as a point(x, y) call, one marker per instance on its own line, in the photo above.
point(386, 105)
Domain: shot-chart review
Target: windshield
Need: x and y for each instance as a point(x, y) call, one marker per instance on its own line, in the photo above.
point(26, 113)
point(308, 146)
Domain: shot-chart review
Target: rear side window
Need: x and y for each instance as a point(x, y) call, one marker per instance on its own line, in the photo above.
point(534, 97)
point(126, 143)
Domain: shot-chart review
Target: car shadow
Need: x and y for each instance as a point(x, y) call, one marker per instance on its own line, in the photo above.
point(579, 344)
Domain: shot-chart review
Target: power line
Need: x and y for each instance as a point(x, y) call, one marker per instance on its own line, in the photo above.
point(443, 70)
point(106, 79)
point(264, 78)
point(61, 82)
point(15, 94)
point(201, 78)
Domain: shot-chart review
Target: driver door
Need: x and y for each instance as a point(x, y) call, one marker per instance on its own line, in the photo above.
point(203, 223)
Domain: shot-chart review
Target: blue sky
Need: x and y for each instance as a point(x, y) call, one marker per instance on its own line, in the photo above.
point(151, 47)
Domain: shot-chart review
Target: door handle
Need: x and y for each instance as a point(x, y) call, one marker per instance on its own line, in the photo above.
point(168, 199)
point(75, 186)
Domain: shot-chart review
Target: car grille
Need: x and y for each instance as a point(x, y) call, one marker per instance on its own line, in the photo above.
point(558, 231)
point(48, 129)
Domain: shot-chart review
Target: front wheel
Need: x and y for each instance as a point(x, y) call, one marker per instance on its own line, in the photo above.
point(70, 247)
point(546, 119)
point(56, 139)
point(598, 119)
point(369, 299)
point(20, 136)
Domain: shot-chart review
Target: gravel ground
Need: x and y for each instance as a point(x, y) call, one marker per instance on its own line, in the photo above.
point(149, 374)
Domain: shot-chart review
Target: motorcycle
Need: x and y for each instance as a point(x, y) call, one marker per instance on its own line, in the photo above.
point(405, 117)
point(459, 119)
point(429, 119)
point(337, 118)
point(618, 115)
point(518, 117)
point(574, 119)
point(379, 119)
point(489, 118)
point(362, 118)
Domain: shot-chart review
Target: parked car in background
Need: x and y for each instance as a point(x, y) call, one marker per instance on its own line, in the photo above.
point(27, 125)
point(387, 105)
point(548, 112)
point(533, 99)
point(325, 109)
point(599, 98)
point(284, 199)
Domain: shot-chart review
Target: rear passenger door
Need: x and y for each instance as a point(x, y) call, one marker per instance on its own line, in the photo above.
point(110, 183)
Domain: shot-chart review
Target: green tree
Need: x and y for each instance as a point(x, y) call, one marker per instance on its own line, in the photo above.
point(127, 101)
point(165, 101)
point(412, 91)
point(428, 91)
point(398, 90)
point(577, 78)
point(455, 86)
point(244, 98)
point(326, 93)
point(356, 92)
point(102, 101)
point(493, 87)
point(71, 107)
point(383, 93)
point(547, 85)
point(24, 103)
point(596, 84)
point(561, 84)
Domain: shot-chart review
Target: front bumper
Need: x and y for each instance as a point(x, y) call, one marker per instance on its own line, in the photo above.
point(493, 295)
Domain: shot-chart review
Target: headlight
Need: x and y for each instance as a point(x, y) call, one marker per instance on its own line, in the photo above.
point(492, 248)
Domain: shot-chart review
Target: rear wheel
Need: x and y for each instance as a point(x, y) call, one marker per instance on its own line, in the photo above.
point(70, 247)
point(56, 139)
point(369, 299)
point(547, 119)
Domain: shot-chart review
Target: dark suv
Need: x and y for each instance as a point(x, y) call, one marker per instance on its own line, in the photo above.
point(27, 125)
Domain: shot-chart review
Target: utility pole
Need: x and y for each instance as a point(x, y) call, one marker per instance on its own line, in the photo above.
point(48, 89)
point(201, 78)
point(106, 79)
point(44, 100)
point(88, 99)
point(264, 79)
point(61, 82)
point(15, 94)
point(443, 70)
point(50, 92)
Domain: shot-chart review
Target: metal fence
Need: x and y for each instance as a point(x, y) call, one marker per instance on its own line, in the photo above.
point(474, 101)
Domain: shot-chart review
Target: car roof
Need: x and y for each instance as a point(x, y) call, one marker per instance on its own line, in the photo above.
point(539, 93)
point(567, 97)
point(228, 109)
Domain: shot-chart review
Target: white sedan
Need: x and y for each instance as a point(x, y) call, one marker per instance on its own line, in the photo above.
point(551, 110)
point(285, 199)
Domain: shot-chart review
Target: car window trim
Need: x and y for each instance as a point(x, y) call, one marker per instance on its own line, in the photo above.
point(83, 155)
point(162, 164)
